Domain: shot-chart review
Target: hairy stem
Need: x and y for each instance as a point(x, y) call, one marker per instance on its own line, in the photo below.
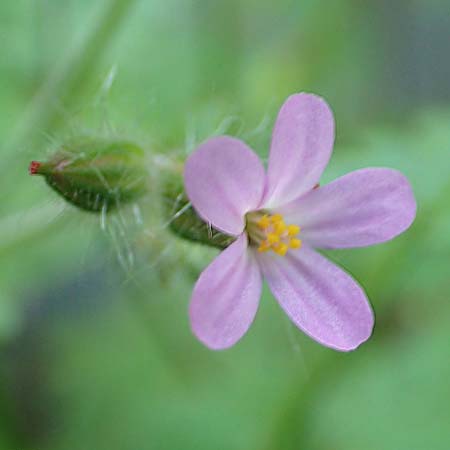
point(68, 78)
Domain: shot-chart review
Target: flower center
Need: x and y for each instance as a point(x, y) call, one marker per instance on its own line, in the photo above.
point(269, 232)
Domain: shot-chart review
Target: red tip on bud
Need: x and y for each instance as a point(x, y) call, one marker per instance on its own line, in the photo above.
point(34, 167)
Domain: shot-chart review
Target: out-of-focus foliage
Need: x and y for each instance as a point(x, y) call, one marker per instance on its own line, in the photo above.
point(95, 345)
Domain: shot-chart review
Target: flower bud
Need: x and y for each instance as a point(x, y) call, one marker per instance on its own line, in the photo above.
point(185, 222)
point(96, 174)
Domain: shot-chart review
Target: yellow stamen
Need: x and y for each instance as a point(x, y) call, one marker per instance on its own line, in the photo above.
point(273, 238)
point(264, 222)
point(264, 247)
point(270, 232)
point(280, 248)
point(293, 230)
point(276, 218)
point(280, 227)
point(295, 243)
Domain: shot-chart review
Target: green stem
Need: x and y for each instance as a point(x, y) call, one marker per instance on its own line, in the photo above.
point(67, 80)
point(27, 227)
point(289, 425)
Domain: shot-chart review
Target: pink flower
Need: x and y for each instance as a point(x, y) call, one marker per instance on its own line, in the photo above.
point(278, 218)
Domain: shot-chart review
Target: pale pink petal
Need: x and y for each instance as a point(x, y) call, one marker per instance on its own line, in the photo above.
point(226, 297)
point(224, 179)
point(302, 143)
point(320, 298)
point(361, 208)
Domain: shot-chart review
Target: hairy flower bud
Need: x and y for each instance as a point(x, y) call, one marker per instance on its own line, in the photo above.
point(96, 174)
point(185, 222)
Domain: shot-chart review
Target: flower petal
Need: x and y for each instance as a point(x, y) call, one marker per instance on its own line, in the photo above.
point(226, 297)
point(320, 298)
point(302, 143)
point(224, 179)
point(361, 208)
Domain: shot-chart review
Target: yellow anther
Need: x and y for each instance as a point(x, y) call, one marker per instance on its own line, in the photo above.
point(270, 233)
point(280, 227)
point(280, 249)
point(295, 243)
point(264, 222)
point(273, 238)
point(293, 230)
point(264, 246)
point(276, 218)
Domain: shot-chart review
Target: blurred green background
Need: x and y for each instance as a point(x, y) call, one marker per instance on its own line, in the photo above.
point(95, 346)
